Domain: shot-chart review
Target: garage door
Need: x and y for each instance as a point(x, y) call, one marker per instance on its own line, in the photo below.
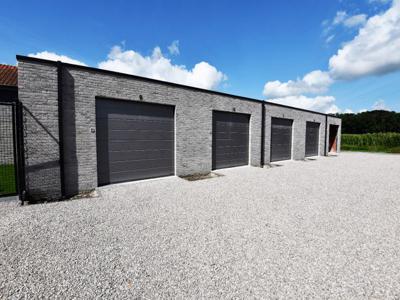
point(281, 139)
point(230, 139)
point(134, 140)
point(312, 138)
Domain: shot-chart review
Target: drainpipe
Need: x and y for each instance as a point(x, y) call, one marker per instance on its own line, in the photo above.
point(262, 134)
point(326, 133)
point(61, 126)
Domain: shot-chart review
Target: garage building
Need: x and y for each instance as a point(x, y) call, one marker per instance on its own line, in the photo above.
point(86, 127)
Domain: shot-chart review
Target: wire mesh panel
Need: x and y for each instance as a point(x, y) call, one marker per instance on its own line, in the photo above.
point(7, 148)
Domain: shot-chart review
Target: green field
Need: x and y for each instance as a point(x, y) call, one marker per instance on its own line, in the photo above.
point(388, 142)
point(7, 180)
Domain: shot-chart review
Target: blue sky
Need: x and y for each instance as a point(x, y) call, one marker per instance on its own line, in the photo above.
point(243, 45)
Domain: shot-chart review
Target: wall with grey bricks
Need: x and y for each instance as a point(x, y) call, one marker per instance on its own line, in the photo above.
point(81, 86)
point(37, 90)
point(193, 116)
point(299, 129)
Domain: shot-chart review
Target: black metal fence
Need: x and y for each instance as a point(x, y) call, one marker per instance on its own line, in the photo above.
point(8, 174)
point(12, 171)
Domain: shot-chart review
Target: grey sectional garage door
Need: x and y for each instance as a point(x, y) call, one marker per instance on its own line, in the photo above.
point(281, 139)
point(230, 139)
point(312, 138)
point(134, 140)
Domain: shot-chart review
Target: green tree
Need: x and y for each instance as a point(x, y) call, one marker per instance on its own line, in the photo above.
point(370, 122)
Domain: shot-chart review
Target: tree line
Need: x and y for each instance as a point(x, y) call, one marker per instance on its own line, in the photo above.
point(370, 122)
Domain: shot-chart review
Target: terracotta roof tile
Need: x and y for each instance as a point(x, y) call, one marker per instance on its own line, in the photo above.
point(8, 75)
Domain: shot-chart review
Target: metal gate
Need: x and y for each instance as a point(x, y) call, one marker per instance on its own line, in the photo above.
point(12, 170)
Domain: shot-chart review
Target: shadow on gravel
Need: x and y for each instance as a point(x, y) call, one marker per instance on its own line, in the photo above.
point(272, 165)
point(309, 159)
point(201, 176)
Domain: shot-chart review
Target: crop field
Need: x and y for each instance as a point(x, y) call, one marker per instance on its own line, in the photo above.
point(388, 142)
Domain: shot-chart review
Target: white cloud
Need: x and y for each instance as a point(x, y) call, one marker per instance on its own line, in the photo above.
point(325, 104)
point(56, 57)
point(339, 18)
point(349, 21)
point(363, 110)
point(356, 20)
point(174, 48)
point(348, 111)
point(379, 1)
point(380, 105)
point(374, 51)
point(342, 18)
point(315, 82)
point(329, 38)
point(157, 66)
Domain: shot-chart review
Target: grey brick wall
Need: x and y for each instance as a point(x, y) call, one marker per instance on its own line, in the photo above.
point(299, 129)
point(193, 115)
point(81, 86)
point(37, 90)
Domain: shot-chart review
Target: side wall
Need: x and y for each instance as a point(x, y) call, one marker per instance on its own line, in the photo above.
point(299, 129)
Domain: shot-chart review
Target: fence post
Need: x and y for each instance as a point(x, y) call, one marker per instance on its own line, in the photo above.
point(20, 151)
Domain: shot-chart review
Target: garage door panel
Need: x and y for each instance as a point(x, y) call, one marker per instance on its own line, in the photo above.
point(239, 128)
point(134, 140)
point(131, 165)
point(145, 124)
point(228, 162)
point(130, 175)
point(140, 145)
point(231, 135)
point(138, 135)
point(312, 138)
point(281, 139)
point(145, 109)
point(125, 155)
point(230, 139)
point(230, 156)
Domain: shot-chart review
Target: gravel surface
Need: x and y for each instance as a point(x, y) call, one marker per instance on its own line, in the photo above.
point(328, 228)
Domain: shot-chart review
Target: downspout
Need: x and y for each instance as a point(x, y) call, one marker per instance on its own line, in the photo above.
point(19, 147)
point(326, 133)
point(61, 126)
point(262, 134)
point(20, 152)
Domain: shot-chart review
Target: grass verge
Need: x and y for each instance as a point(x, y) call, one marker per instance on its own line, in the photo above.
point(7, 180)
point(370, 149)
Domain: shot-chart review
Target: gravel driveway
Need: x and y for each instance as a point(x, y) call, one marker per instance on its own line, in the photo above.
point(328, 228)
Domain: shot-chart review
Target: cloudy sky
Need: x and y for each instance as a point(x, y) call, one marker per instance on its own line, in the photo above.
point(330, 56)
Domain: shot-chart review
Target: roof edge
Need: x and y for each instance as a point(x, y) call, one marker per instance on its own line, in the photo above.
point(55, 63)
point(4, 87)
